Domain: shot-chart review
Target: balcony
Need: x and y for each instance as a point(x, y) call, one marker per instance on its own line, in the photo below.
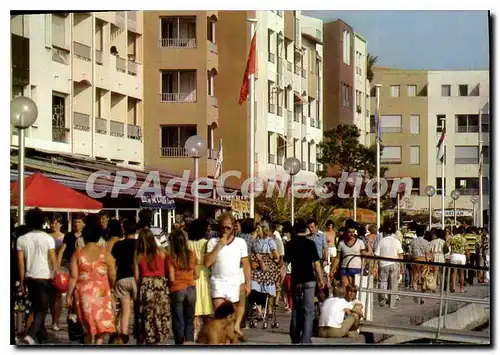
point(470, 191)
point(82, 51)
point(280, 160)
point(271, 57)
point(116, 129)
point(174, 152)
point(178, 42)
point(101, 125)
point(98, 56)
point(271, 159)
point(466, 161)
point(60, 56)
point(81, 121)
point(132, 67)
point(134, 132)
point(296, 116)
point(121, 64)
point(312, 167)
point(467, 129)
point(60, 134)
point(272, 108)
point(178, 97)
point(289, 66)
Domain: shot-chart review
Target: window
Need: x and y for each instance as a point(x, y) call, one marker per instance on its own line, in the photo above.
point(59, 31)
point(178, 86)
point(394, 90)
point(270, 97)
point(390, 123)
point(391, 155)
point(211, 84)
point(179, 32)
point(439, 186)
point(372, 124)
point(415, 155)
point(347, 47)
point(485, 123)
point(470, 186)
point(467, 123)
point(345, 95)
point(173, 139)
point(466, 154)
point(445, 90)
point(486, 154)
point(412, 90)
point(414, 124)
point(415, 187)
point(440, 123)
point(58, 110)
point(270, 46)
point(211, 29)
point(463, 90)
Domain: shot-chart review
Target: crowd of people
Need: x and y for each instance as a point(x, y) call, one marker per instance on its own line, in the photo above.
point(207, 281)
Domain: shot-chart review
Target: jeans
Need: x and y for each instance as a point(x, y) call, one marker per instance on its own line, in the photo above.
point(301, 324)
point(182, 310)
point(39, 291)
point(389, 278)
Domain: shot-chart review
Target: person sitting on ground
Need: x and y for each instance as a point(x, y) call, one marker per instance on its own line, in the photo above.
point(338, 318)
point(220, 329)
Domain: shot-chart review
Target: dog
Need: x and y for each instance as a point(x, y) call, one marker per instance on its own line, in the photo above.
point(220, 329)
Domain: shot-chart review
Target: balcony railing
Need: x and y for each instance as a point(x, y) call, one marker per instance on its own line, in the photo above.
point(212, 101)
point(178, 42)
point(296, 116)
point(280, 111)
point(391, 129)
point(212, 47)
point(289, 66)
point(297, 70)
point(121, 64)
point(312, 167)
point(467, 129)
point(60, 56)
point(469, 191)
point(116, 129)
point(132, 67)
point(272, 108)
point(178, 97)
point(304, 72)
point(304, 165)
point(101, 125)
point(60, 134)
point(174, 152)
point(390, 160)
point(81, 51)
point(81, 121)
point(280, 159)
point(271, 159)
point(134, 132)
point(304, 120)
point(466, 160)
point(271, 57)
point(98, 56)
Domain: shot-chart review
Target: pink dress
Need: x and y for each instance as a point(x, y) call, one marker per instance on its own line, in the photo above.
point(93, 295)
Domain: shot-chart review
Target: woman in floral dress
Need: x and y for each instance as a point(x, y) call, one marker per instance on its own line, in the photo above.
point(93, 274)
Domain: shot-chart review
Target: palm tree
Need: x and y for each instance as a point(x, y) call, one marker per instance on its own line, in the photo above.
point(370, 63)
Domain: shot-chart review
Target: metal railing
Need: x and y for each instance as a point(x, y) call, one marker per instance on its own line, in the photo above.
point(81, 121)
point(134, 132)
point(81, 51)
point(116, 129)
point(467, 129)
point(174, 152)
point(101, 125)
point(60, 134)
point(390, 160)
point(440, 332)
point(178, 42)
point(178, 97)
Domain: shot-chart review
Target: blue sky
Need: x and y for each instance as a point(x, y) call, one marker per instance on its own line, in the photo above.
point(440, 40)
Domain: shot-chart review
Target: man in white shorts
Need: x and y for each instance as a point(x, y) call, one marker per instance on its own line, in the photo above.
point(224, 256)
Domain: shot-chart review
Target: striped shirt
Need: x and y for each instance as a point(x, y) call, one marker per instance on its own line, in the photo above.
point(471, 242)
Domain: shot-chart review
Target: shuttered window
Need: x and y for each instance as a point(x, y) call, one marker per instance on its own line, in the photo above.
point(391, 155)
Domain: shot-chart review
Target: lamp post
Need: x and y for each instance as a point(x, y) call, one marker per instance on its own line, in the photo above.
point(455, 195)
point(474, 199)
point(196, 147)
point(23, 113)
point(430, 191)
point(292, 167)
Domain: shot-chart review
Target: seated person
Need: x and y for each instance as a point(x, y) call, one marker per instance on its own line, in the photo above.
point(220, 329)
point(338, 318)
point(350, 296)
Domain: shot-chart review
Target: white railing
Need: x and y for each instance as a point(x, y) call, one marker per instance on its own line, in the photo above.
point(81, 51)
point(116, 129)
point(101, 125)
point(178, 42)
point(178, 97)
point(81, 121)
point(174, 152)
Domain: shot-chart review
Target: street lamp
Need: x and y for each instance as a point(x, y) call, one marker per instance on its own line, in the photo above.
point(430, 191)
point(455, 195)
point(474, 199)
point(292, 167)
point(196, 147)
point(23, 113)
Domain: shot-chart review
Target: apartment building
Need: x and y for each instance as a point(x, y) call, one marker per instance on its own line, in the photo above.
point(415, 106)
point(84, 72)
point(181, 64)
point(288, 86)
point(361, 97)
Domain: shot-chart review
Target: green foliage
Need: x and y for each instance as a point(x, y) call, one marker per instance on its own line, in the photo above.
point(370, 63)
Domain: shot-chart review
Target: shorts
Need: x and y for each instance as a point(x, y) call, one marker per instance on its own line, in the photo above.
point(126, 287)
point(458, 259)
point(228, 290)
point(350, 271)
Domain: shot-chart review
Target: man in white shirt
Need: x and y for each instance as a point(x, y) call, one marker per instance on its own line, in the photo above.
point(389, 247)
point(338, 317)
point(224, 256)
point(36, 259)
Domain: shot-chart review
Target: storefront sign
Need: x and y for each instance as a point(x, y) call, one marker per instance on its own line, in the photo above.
point(150, 200)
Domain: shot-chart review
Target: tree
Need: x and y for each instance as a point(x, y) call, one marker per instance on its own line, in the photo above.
point(370, 63)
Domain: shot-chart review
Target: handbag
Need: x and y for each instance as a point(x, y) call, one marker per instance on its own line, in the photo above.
point(430, 282)
point(75, 330)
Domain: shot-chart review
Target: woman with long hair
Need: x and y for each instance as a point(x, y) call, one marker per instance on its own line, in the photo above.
point(93, 274)
point(198, 244)
point(150, 266)
point(182, 272)
point(56, 304)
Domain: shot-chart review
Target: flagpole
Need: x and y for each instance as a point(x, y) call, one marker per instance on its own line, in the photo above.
point(443, 185)
point(481, 167)
point(252, 21)
point(377, 91)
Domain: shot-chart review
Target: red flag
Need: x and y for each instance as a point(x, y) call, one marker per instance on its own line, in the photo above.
point(250, 69)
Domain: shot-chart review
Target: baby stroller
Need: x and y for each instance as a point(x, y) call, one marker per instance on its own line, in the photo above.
point(263, 288)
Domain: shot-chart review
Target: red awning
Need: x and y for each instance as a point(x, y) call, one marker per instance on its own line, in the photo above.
point(45, 193)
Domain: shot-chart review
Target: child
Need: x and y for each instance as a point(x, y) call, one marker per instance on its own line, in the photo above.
point(220, 329)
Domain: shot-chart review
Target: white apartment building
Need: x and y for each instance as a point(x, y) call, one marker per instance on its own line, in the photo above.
point(361, 102)
point(456, 99)
point(288, 91)
point(83, 71)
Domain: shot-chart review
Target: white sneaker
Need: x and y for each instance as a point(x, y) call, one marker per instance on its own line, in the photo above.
point(29, 340)
point(55, 328)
